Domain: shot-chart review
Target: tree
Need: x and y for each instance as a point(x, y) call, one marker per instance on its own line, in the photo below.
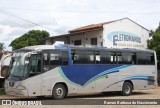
point(2, 47)
point(33, 37)
point(154, 43)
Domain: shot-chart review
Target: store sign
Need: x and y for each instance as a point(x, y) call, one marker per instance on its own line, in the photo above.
point(124, 39)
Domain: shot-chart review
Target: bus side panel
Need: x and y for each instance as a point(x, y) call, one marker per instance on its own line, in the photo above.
point(142, 77)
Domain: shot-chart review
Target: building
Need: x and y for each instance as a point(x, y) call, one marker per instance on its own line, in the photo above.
point(121, 33)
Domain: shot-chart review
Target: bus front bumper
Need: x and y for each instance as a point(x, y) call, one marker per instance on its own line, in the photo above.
point(16, 92)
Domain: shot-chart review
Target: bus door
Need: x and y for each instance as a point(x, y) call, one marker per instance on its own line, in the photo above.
point(53, 60)
point(35, 69)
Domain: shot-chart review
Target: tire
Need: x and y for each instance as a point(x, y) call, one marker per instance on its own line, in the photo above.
point(127, 89)
point(59, 92)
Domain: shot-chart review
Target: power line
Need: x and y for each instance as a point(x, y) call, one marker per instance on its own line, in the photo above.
point(84, 11)
point(28, 21)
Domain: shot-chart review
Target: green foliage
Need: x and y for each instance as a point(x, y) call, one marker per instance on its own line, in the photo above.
point(33, 37)
point(154, 43)
point(2, 47)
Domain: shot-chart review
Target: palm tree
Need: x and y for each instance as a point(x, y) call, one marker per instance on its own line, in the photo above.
point(2, 47)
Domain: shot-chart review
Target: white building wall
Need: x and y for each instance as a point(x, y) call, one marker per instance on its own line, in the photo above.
point(126, 27)
point(52, 41)
point(86, 37)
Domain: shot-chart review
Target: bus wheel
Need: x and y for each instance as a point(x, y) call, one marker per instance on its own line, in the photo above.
point(59, 91)
point(127, 89)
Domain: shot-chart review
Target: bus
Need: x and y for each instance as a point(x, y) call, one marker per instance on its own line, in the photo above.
point(61, 70)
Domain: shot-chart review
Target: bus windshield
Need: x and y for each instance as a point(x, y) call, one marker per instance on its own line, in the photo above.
point(17, 69)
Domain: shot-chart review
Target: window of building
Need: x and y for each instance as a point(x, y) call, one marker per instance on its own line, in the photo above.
point(77, 42)
point(83, 57)
point(93, 41)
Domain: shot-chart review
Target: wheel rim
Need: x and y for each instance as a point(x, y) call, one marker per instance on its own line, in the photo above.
point(59, 92)
point(127, 89)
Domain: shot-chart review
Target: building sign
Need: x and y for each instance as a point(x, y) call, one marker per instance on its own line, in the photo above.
point(125, 39)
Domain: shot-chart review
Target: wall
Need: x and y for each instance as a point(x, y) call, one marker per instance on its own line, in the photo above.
point(116, 34)
point(51, 41)
point(88, 35)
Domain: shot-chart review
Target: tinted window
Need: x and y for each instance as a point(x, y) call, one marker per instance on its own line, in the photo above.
point(83, 57)
point(145, 58)
point(103, 57)
point(58, 58)
point(46, 58)
point(113, 58)
point(126, 58)
point(35, 65)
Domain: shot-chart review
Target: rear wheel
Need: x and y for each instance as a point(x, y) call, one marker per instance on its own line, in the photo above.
point(127, 89)
point(59, 91)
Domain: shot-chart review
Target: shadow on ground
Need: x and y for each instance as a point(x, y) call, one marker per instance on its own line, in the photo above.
point(85, 96)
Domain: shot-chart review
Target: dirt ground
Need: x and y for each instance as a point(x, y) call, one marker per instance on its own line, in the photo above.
point(137, 94)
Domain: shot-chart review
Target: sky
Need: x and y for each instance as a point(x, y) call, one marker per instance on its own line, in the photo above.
point(59, 16)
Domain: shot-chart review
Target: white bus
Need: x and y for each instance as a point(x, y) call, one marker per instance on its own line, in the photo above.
point(58, 71)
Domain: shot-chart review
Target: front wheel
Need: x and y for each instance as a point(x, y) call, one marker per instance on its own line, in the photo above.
point(59, 91)
point(127, 89)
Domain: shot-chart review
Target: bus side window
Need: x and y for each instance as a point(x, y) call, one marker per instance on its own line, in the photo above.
point(35, 65)
point(65, 58)
point(145, 58)
point(134, 58)
point(83, 57)
point(103, 57)
point(56, 58)
point(127, 58)
point(97, 55)
point(119, 58)
point(45, 58)
point(113, 58)
point(152, 61)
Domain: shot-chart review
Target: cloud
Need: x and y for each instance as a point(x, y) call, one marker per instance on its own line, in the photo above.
point(63, 15)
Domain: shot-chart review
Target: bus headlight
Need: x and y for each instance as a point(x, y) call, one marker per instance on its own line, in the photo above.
point(21, 87)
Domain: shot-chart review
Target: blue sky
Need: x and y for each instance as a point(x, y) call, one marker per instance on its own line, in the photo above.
point(59, 16)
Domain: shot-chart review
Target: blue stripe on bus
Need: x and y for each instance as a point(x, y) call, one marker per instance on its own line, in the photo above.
point(84, 74)
point(147, 78)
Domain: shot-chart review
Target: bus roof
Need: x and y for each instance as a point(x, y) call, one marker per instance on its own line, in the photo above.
point(88, 47)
